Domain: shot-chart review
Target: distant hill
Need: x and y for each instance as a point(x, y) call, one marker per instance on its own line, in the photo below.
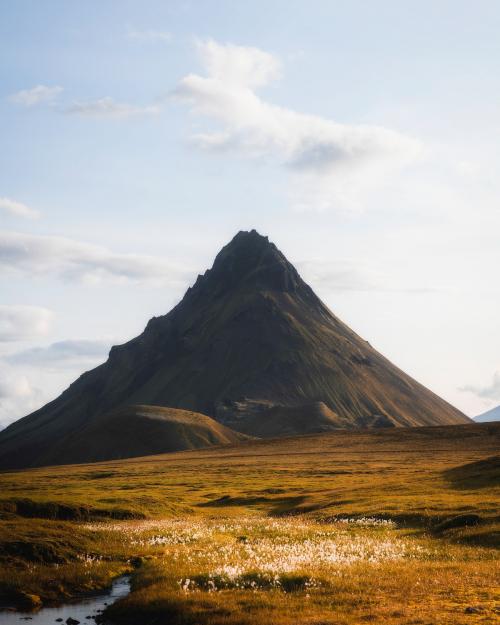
point(133, 431)
point(490, 415)
point(276, 421)
point(250, 345)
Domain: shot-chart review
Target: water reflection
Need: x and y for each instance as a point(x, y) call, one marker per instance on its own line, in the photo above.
point(83, 611)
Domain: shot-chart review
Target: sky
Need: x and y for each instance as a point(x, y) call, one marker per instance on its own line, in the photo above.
point(138, 137)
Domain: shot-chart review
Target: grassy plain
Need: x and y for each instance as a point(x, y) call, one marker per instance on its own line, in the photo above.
point(386, 526)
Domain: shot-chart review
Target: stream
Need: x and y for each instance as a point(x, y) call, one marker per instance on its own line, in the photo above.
point(78, 610)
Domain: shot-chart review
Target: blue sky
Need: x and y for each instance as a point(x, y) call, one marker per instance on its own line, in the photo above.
point(139, 137)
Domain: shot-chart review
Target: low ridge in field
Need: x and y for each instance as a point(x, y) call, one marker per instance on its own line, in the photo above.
point(276, 421)
point(138, 431)
point(250, 345)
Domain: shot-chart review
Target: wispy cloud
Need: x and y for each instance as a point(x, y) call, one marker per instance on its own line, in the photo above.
point(312, 148)
point(490, 391)
point(62, 354)
point(41, 94)
point(23, 322)
point(18, 209)
point(85, 262)
point(340, 275)
point(150, 35)
point(105, 107)
point(108, 108)
point(350, 275)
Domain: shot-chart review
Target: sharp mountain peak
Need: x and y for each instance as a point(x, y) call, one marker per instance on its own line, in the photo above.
point(250, 261)
point(250, 345)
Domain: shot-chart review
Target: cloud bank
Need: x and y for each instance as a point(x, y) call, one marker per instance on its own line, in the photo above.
point(314, 149)
point(83, 262)
point(62, 354)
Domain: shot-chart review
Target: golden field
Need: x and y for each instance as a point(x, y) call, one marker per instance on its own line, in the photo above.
point(382, 526)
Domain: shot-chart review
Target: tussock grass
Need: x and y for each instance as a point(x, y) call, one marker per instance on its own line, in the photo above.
point(296, 570)
point(403, 593)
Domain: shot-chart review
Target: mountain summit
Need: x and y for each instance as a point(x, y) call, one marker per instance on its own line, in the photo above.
point(250, 345)
point(251, 262)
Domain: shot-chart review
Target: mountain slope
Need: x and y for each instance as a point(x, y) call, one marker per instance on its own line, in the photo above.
point(249, 336)
point(489, 415)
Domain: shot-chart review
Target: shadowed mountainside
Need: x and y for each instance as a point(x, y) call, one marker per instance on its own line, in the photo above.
point(251, 345)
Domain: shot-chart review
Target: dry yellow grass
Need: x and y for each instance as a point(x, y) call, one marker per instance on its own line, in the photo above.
point(403, 593)
point(248, 570)
point(416, 479)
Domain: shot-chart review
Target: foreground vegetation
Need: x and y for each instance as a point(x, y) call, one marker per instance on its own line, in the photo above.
point(393, 526)
point(295, 570)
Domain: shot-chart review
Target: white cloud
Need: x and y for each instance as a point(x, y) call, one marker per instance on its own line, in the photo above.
point(85, 262)
point(238, 66)
point(23, 322)
point(150, 35)
point(17, 396)
point(17, 208)
point(41, 94)
point(107, 107)
point(491, 391)
point(328, 157)
point(72, 352)
point(14, 386)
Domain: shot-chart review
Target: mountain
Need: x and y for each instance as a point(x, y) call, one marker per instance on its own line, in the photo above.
point(490, 415)
point(248, 344)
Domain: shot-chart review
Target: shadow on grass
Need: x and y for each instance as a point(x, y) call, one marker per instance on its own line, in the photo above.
point(27, 508)
point(474, 475)
point(276, 505)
